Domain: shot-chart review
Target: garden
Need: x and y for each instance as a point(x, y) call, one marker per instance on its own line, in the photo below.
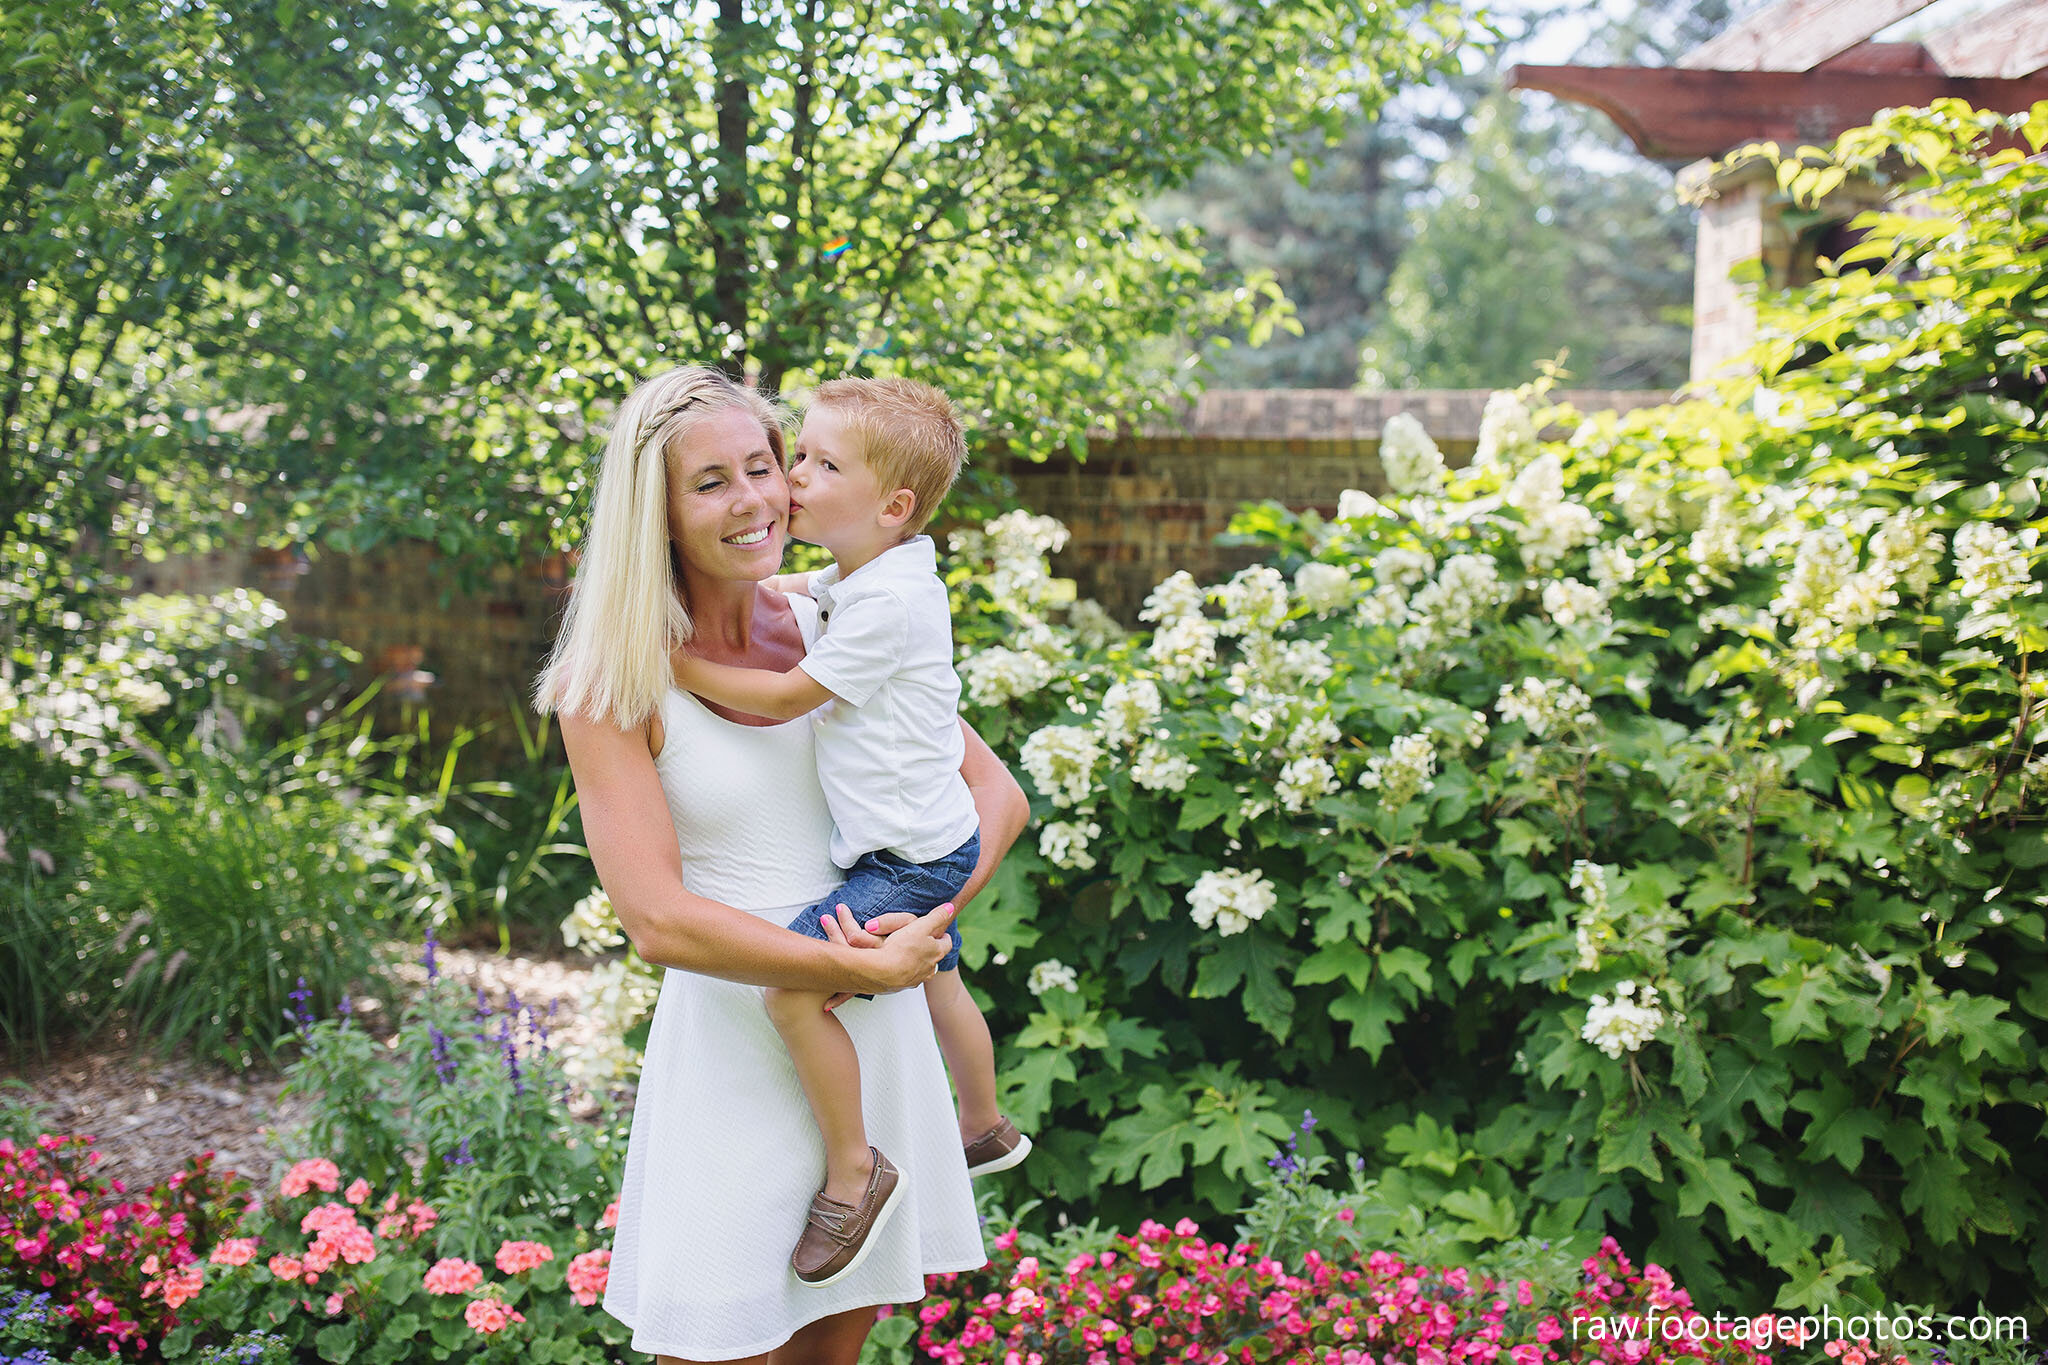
point(1585, 903)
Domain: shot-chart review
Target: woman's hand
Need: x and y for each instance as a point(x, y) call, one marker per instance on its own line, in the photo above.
point(907, 947)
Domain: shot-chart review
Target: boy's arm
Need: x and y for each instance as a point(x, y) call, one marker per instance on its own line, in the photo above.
point(788, 584)
point(756, 691)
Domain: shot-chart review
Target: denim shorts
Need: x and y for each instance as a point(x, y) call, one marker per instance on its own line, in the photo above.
point(881, 882)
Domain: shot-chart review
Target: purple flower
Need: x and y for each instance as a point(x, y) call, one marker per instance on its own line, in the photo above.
point(433, 968)
point(460, 1156)
point(511, 1055)
point(300, 1016)
point(444, 1064)
point(344, 1009)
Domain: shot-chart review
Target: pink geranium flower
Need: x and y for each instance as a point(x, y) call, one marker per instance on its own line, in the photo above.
point(234, 1251)
point(489, 1315)
point(588, 1275)
point(358, 1191)
point(452, 1276)
point(611, 1215)
point(286, 1267)
point(316, 1173)
point(516, 1257)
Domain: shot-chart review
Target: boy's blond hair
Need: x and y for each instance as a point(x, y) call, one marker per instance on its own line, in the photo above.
point(909, 434)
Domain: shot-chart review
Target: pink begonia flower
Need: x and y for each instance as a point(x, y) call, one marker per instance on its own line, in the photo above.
point(489, 1315)
point(450, 1275)
point(286, 1267)
point(588, 1275)
point(234, 1251)
point(611, 1215)
point(516, 1257)
point(1528, 1353)
point(358, 1191)
point(318, 1172)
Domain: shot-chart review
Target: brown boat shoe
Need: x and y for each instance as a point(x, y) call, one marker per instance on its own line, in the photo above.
point(837, 1237)
point(1000, 1148)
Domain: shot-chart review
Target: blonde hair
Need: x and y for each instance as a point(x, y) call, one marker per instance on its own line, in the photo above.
point(909, 434)
point(610, 662)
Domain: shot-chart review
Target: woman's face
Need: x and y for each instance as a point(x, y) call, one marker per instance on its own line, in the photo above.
point(728, 502)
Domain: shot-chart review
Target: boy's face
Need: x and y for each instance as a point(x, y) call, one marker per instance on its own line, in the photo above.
point(832, 491)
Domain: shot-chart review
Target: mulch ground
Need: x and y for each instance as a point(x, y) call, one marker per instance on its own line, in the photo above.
point(151, 1112)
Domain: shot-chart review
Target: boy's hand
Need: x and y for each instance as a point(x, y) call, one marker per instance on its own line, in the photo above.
point(791, 584)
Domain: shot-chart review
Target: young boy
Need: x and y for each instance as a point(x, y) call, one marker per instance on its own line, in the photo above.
point(871, 464)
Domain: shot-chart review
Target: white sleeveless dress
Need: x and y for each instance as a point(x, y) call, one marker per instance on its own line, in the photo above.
point(724, 1155)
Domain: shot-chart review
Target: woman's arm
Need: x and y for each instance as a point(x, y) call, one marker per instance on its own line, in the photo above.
point(633, 845)
point(1001, 803)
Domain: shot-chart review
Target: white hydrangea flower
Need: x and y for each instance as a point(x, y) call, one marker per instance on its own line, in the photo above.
point(141, 696)
point(1092, 624)
point(1716, 547)
point(1412, 462)
point(1160, 769)
point(1281, 666)
point(1311, 735)
point(1647, 501)
point(1551, 526)
point(1355, 504)
point(593, 925)
point(1467, 587)
point(1183, 649)
point(1568, 600)
point(1401, 568)
point(1405, 772)
point(1018, 534)
point(1613, 567)
point(997, 675)
point(1624, 1024)
point(1061, 762)
point(1254, 601)
point(1231, 900)
point(1383, 607)
point(1907, 552)
point(1049, 643)
point(618, 995)
point(1064, 843)
point(1129, 709)
point(1991, 566)
point(1303, 780)
point(1052, 975)
point(1175, 599)
point(1823, 571)
point(1507, 433)
point(1545, 705)
point(1471, 731)
point(1323, 587)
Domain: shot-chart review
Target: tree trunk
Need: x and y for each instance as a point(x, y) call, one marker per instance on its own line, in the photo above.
point(726, 214)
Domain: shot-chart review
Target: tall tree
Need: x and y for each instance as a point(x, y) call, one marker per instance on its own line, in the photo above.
point(426, 243)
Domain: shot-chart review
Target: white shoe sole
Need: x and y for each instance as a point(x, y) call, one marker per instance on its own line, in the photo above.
point(882, 1218)
point(1004, 1162)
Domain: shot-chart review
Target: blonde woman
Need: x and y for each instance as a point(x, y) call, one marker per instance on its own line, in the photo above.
point(709, 830)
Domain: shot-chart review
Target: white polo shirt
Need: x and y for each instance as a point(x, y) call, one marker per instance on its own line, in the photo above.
point(889, 745)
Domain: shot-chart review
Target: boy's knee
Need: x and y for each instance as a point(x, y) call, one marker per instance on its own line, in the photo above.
point(785, 1003)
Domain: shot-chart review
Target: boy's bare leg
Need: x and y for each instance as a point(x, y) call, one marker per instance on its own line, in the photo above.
point(970, 1055)
point(828, 1069)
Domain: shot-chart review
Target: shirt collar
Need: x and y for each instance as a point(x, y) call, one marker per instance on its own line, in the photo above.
point(914, 558)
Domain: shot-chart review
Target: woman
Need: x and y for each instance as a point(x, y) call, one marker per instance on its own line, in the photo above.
point(708, 830)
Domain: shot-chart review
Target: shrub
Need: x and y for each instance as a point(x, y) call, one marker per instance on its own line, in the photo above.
point(103, 1270)
point(1636, 834)
point(220, 876)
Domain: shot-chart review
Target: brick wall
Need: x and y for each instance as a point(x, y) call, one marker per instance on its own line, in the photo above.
point(1139, 508)
point(1147, 504)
